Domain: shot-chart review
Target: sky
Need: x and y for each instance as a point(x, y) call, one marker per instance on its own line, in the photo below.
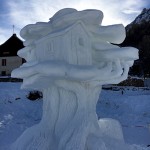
point(19, 13)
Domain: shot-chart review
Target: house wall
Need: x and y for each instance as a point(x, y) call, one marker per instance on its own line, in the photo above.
point(72, 46)
point(11, 63)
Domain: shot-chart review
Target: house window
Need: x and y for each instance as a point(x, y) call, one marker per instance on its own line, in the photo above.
point(3, 62)
point(3, 73)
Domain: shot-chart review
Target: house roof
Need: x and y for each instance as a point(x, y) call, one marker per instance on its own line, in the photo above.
point(11, 46)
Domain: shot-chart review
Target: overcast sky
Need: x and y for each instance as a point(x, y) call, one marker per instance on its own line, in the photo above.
point(22, 12)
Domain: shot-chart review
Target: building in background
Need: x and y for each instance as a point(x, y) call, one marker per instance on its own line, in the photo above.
point(8, 55)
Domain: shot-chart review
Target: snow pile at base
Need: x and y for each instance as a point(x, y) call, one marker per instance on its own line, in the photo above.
point(132, 109)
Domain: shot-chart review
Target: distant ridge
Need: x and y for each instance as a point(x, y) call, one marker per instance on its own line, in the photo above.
point(144, 16)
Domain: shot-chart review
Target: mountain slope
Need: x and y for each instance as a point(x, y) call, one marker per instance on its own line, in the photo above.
point(138, 35)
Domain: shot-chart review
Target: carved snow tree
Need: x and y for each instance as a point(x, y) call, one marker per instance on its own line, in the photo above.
point(69, 58)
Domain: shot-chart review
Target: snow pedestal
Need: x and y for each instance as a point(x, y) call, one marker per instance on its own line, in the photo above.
point(69, 58)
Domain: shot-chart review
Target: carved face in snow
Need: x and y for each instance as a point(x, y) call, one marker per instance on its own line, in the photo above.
point(74, 46)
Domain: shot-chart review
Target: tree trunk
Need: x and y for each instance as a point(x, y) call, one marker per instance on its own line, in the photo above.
point(69, 118)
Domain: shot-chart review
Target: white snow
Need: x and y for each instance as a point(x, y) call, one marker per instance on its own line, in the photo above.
point(132, 110)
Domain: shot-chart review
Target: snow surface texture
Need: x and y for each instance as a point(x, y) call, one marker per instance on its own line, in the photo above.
point(68, 59)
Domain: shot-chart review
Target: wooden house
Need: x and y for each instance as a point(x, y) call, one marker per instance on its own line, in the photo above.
point(8, 55)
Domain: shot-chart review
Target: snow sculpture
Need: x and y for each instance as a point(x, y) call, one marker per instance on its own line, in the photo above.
point(69, 58)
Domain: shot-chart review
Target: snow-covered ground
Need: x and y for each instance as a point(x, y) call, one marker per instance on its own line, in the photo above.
point(131, 106)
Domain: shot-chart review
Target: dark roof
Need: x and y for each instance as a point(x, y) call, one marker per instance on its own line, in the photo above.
point(11, 46)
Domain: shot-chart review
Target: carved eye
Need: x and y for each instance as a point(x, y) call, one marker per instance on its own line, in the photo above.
point(81, 41)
